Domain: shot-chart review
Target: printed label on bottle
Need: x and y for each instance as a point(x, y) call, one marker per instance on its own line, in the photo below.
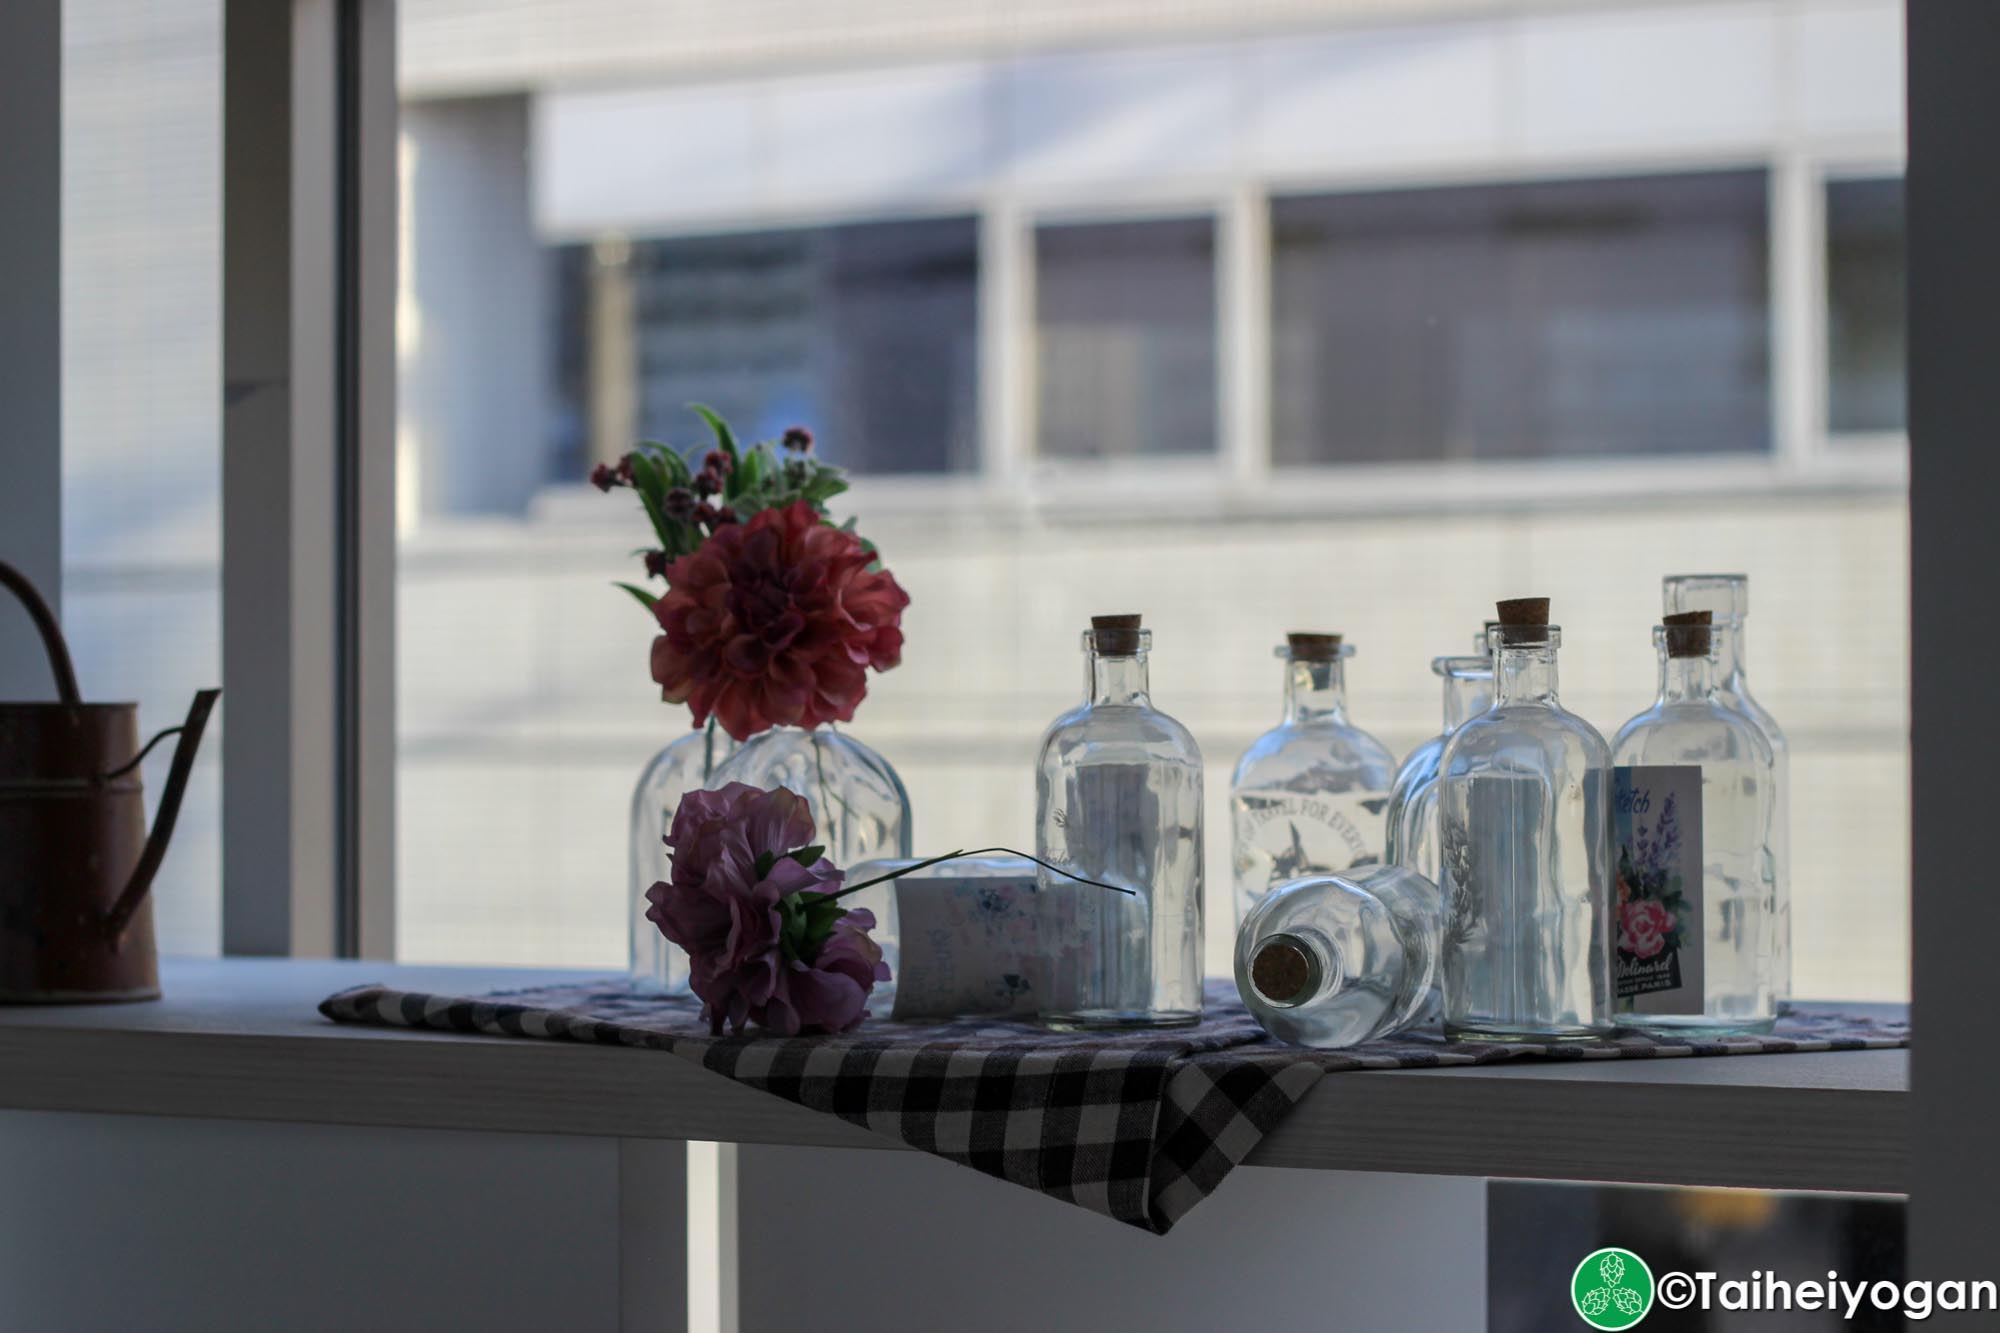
point(1657, 899)
point(1281, 835)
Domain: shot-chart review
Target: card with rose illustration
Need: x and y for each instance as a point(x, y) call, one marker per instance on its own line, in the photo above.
point(1657, 892)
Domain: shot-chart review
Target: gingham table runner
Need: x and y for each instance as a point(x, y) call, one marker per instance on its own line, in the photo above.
point(1139, 1127)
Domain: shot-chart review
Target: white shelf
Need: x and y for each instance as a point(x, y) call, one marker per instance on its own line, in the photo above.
point(242, 1039)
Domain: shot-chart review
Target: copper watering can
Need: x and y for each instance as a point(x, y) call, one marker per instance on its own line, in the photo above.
point(75, 857)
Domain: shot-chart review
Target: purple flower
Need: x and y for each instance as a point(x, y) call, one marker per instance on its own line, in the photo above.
point(742, 902)
point(798, 438)
point(679, 504)
point(604, 476)
point(719, 463)
point(656, 564)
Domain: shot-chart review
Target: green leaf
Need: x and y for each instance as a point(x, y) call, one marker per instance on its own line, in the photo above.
point(805, 856)
point(747, 477)
point(724, 437)
point(645, 598)
point(765, 860)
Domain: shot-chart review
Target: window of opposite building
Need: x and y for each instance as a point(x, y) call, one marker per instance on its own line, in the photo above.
point(1544, 319)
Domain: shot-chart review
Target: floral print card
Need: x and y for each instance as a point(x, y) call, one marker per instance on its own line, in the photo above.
point(1656, 839)
point(969, 944)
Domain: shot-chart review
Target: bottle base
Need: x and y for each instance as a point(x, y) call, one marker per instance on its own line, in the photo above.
point(1118, 1020)
point(1670, 1026)
point(1500, 1032)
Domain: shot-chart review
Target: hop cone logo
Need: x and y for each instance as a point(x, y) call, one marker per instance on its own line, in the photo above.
point(1612, 1289)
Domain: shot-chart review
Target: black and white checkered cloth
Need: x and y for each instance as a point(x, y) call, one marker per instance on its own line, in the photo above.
point(1137, 1126)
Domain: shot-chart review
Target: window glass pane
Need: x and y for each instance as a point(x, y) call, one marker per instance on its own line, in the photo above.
point(1125, 338)
point(1550, 319)
point(1864, 305)
point(142, 402)
point(866, 330)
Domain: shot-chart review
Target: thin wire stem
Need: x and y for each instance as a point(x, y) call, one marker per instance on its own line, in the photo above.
point(981, 851)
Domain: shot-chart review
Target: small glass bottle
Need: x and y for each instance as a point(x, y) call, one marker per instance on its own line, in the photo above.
point(1332, 960)
point(860, 809)
point(1694, 814)
point(1118, 799)
point(1412, 822)
point(1523, 794)
point(1726, 597)
point(1311, 794)
point(683, 765)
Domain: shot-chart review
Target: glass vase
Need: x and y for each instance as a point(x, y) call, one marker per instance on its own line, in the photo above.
point(1310, 795)
point(1523, 802)
point(860, 809)
point(1694, 820)
point(1118, 799)
point(685, 764)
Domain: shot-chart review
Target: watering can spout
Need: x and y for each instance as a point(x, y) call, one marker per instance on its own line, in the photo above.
point(162, 832)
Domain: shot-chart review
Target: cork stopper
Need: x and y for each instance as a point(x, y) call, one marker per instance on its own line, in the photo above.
point(1283, 972)
point(1688, 633)
point(1115, 634)
point(1311, 646)
point(1522, 620)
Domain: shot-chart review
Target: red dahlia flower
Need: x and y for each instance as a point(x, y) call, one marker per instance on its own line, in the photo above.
point(776, 622)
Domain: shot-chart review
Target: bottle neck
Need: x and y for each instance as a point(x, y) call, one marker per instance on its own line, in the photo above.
point(1111, 680)
point(1688, 679)
point(1315, 691)
point(1727, 636)
point(1465, 697)
point(1524, 674)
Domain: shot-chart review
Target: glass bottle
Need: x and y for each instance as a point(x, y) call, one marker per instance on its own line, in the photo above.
point(1523, 793)
point(1331, 960)
point(1412, 821)
point(1726, 597)
point(1309, 795)
point(1694, 816)
point(1118, 799)
point(685, 764)
point(860, 809)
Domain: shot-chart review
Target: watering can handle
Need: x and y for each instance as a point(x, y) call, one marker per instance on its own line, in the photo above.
point(163, 819)
point(45, 622)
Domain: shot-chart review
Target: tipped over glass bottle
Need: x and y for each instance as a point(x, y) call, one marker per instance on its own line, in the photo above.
point(1523, 794)
point(1332, 960)
point(1694, 815)
point(1726, 597)
point(1311, 794)
point(1118, 799)
point(1412, 819)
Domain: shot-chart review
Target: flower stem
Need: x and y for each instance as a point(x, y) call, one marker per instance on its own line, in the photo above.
point(980, 851)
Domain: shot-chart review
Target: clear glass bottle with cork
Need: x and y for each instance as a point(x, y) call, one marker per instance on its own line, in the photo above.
point(1726, 597)
point(1694, 815)
point(1118, 798)
point(1311, 795)
point(1412, 819)
point(1523, 800)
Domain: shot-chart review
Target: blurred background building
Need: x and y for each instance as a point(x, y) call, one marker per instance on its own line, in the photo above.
point(1300, 314)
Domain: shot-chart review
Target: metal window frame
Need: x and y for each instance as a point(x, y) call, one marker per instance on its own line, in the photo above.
point(308, 568)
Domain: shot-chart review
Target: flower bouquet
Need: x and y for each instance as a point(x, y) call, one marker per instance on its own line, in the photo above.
point(769, 617)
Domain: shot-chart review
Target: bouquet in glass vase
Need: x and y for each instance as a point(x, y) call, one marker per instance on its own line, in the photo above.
point(769, 620)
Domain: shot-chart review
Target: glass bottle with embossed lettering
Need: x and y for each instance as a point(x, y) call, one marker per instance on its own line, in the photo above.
point(1695, 796)
point(1412, 821)
point(1309, 796)
point(1726, 597)
point(1523, 800)
point(1118, 799)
